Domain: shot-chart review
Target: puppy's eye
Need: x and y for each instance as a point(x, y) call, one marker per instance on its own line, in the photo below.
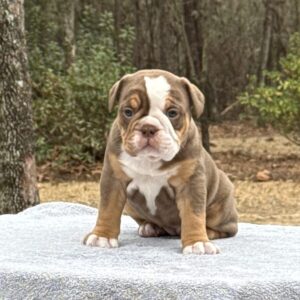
point(172, 113)
point(128, 112)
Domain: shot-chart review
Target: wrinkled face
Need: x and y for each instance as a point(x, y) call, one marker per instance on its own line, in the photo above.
point(154, 115)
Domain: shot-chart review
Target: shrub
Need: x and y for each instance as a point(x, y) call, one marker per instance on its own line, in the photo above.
point(278, 102)
point(70, 108)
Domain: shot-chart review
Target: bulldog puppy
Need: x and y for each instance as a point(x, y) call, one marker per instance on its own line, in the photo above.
point(156, 170)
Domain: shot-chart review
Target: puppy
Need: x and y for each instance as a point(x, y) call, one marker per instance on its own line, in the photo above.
point(156, 170)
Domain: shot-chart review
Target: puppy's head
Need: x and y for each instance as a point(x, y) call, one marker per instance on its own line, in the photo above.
point(155, 110)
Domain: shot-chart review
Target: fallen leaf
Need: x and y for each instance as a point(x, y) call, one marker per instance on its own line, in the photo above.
point(264, 175)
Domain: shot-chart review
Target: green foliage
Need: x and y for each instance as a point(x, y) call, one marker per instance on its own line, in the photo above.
point(70, 107)
point(278, 102)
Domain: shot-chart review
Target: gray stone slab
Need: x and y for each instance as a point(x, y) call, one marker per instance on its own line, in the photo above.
point(41, 257)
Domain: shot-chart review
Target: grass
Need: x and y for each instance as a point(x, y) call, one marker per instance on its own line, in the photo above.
point(257, 202)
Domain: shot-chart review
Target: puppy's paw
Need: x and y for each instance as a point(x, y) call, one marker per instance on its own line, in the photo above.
point(102, 242)
point(150, 230)
point(201, 248)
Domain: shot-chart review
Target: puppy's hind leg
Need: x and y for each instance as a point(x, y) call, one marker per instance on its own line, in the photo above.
point(151, 230)
point(146, 229)
point(224, 231)
point(222, 219)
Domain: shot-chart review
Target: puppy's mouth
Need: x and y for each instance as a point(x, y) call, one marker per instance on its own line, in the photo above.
point(149, 144)
point(149, 150)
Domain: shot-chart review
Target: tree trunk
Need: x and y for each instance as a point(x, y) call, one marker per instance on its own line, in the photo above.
point(163, 20)
point(194, 44)
point(18, 189)
point(278, 47)
point(266, 42)
point(117, 24)
point(67, 12)
point(138, 35)
point(297, 19)
point(150, 6)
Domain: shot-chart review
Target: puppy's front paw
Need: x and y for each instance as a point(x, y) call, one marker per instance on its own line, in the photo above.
point(98, 241)
point(201, 248)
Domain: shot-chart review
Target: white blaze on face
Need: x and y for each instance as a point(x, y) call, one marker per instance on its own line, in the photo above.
point(157, 90)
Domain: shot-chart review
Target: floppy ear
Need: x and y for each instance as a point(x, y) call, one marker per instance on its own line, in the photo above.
point(115, 92)
point(196, 97)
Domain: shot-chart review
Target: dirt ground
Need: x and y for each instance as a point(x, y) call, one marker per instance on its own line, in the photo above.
point(240, 149)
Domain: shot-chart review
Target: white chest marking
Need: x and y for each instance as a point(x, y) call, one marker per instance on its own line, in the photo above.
point(146, 177)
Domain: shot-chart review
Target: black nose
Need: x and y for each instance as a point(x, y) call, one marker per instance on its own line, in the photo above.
point(148, 131)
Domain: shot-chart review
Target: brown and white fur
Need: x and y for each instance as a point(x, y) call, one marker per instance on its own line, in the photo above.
point(156, 170)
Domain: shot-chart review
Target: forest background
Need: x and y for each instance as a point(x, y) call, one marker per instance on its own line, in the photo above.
point(243, 55)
